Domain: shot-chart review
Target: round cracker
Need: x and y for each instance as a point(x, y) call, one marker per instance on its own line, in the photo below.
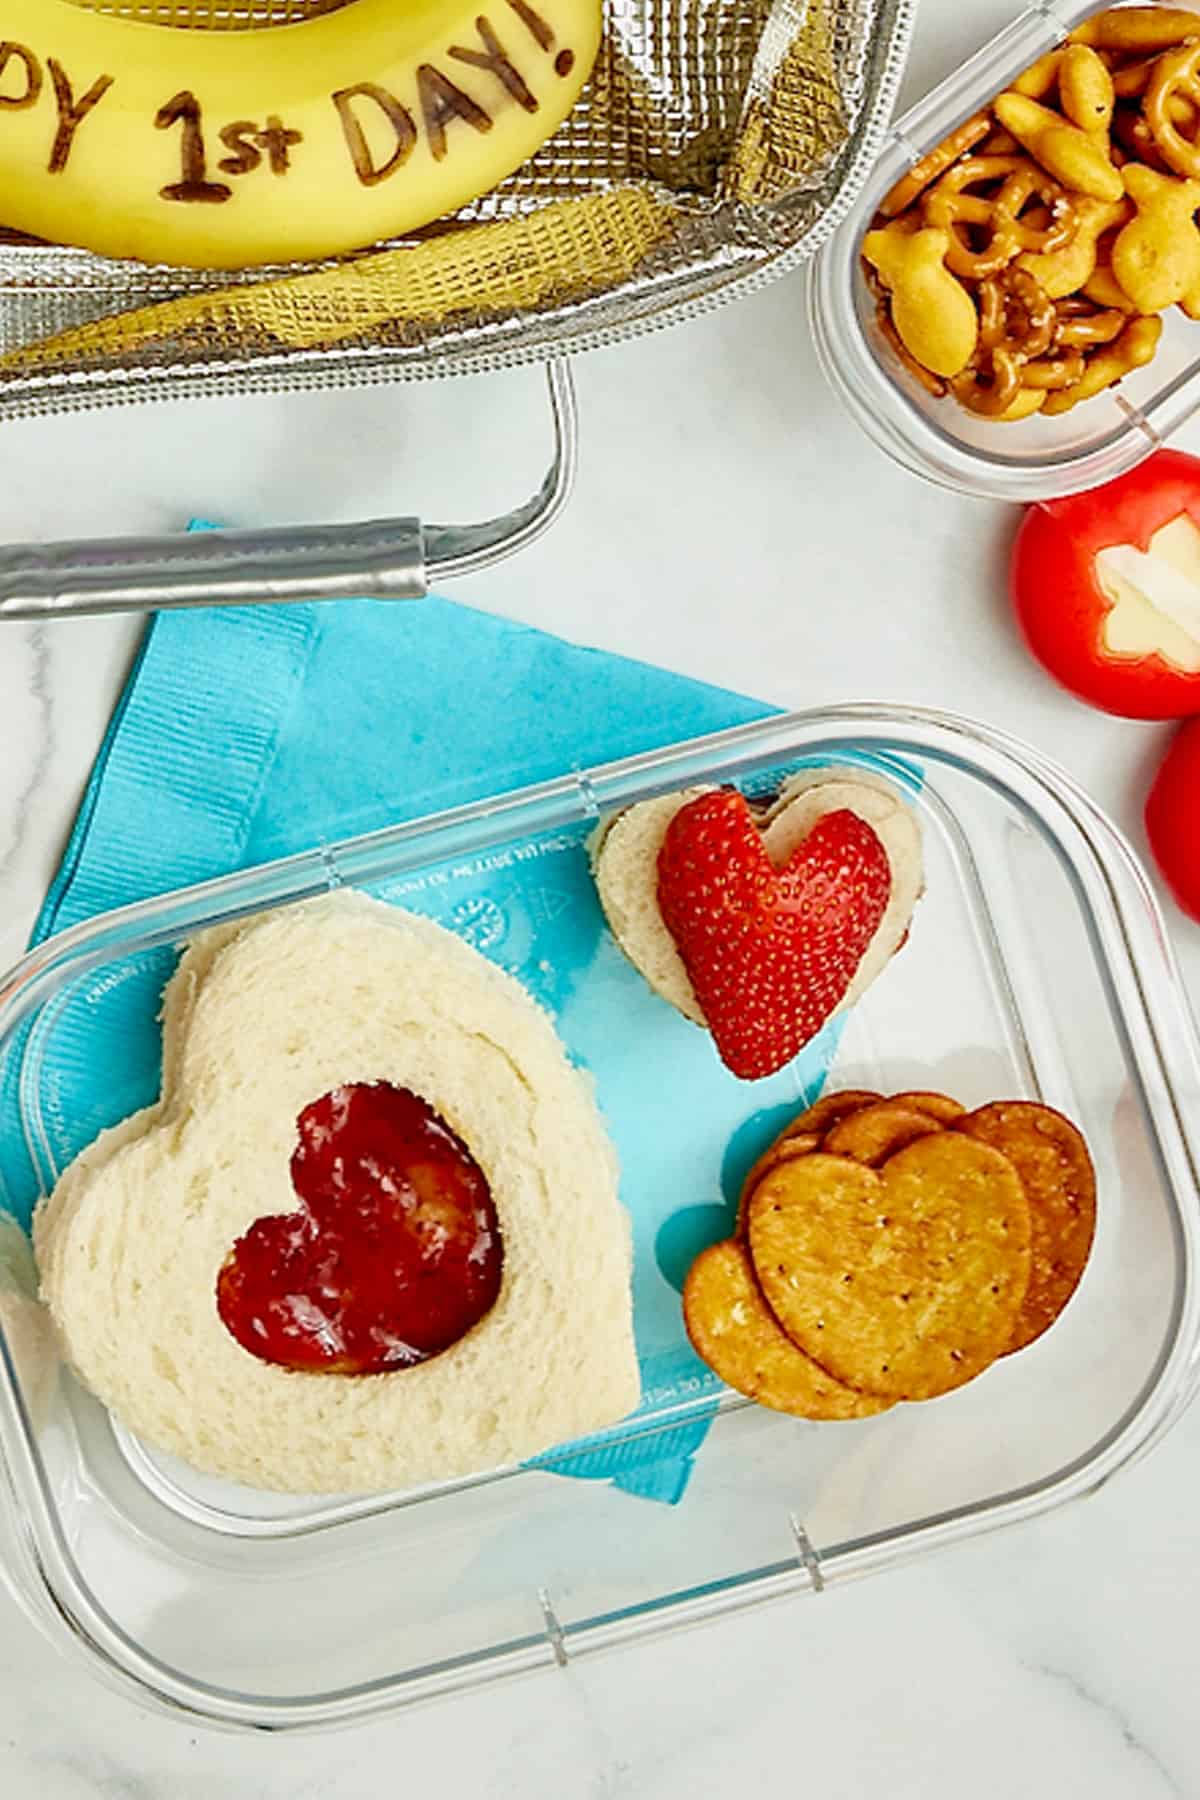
point(938, 1106)
point(800, 1143)
point(874, 1133)
point(731, 1328)
point(905, 1282)
point(1052, 1160)
point(828, 1110)
point(800, 1137)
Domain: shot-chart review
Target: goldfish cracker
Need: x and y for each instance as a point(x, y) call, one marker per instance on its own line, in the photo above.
point(1103, 289)
point(933, 313)
point(1156, 257)
point(1085, 88)
point(1062, 272)
point(1029, 400)
point(1131, 80)
point(1079, 160)
point(1137, 29)
point(1039, 78)
point(1132, 350)
point(933, 384)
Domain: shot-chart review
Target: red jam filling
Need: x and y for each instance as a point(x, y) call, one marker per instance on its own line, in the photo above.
point(393, 1254)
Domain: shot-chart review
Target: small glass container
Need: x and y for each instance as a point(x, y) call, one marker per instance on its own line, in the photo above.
point(1033, 459)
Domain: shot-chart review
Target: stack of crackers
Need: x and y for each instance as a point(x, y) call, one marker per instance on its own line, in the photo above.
point(892, 1249)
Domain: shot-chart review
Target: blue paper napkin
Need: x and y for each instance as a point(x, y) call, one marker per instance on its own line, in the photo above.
point(245, 734)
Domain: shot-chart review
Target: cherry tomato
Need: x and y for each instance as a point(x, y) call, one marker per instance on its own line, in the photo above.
point(1173, 817)
point(1106, 587)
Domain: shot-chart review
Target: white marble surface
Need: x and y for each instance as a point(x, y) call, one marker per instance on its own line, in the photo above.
point(731, 523)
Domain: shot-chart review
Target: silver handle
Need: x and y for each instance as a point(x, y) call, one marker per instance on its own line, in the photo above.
point(383, 559)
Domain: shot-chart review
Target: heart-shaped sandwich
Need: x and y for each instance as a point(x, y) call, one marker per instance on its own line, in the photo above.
point(762, 923)
point(369, 1235)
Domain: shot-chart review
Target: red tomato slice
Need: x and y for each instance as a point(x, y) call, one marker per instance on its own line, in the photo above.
point(1106, 587)
point(1173, 817)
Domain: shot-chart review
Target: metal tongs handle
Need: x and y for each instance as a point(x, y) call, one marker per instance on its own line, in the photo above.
point(383, 559)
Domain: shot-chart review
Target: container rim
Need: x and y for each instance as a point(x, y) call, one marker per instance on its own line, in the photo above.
point(1132, 950)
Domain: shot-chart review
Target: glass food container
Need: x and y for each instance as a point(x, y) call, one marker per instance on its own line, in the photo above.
point(1037, 966)
point(1037, 458)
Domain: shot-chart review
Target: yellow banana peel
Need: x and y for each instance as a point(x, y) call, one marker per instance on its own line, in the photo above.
point(290, 142)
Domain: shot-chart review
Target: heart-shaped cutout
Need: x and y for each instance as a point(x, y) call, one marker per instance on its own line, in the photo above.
point(1052, 1159)
point(707, 958)
point(903, 1281)
point(734, 1331)
point(393, 1254)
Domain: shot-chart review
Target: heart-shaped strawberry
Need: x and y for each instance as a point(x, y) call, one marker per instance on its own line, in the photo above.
point(393, 1254)
point(625, 860)
point(770, 951)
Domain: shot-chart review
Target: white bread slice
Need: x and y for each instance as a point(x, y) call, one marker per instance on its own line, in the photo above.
point(260, 1020)
point(625, 866)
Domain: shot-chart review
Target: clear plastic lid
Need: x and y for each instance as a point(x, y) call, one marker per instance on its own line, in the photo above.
point(1034, 459)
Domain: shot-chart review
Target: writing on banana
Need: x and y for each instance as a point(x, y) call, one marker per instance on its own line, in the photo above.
point(233, 148)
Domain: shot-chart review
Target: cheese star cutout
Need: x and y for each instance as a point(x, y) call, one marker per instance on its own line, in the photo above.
point(1154, 596)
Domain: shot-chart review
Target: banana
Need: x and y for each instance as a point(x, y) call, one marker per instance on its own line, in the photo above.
point(224, 149)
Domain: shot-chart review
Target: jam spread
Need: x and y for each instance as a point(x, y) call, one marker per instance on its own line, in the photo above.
point(393, 1254)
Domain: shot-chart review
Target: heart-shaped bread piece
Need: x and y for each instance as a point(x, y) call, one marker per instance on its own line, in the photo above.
point(626, 857)
point(906, 1281)
point(1052, 1160)
point(733, 1330)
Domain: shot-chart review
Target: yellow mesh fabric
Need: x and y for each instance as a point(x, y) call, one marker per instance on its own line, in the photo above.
point(795, 118)
point(514, 264)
